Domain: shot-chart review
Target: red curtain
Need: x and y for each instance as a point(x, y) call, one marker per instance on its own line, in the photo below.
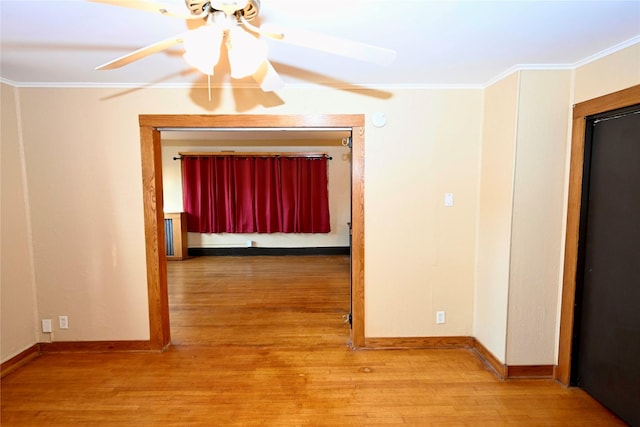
point(228, 194)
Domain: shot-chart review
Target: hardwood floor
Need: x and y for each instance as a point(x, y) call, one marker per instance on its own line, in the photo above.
point(260, 342)
point(259, 301)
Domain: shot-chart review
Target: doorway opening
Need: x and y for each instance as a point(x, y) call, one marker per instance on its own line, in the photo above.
point(151, 127)
point(239, 287)
point(605, 353)
point(621, 99)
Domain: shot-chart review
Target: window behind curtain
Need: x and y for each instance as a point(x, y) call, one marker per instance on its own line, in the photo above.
point(230, 194)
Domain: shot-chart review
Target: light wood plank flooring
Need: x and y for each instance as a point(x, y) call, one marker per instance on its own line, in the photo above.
point(265, 301)
point(260, 342)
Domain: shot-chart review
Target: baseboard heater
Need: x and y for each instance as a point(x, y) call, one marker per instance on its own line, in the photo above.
point(254, 251)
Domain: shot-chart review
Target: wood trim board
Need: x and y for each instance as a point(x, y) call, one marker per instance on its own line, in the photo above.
point(151, 127)
point(403, 343)
point(500, 370)
point(489, 360)
point(38, 349)
point(95, 346)
point(529, 371)
point(19, 360)
point(419, 343)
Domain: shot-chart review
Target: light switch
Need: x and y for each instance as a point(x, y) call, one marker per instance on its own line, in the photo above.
point(448, 199)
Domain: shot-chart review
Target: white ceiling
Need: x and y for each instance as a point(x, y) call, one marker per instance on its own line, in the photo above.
point(439, 43)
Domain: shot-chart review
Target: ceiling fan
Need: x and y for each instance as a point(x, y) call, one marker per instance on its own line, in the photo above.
point(227, 21)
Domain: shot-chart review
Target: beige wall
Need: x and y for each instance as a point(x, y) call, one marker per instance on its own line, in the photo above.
point(17, 294)
point(495, 211)
point(522, 207)
point(83, 168)
point(537, 218)
point(84, 204)
point(339, 181)
point(419, 253)
point(612, 73)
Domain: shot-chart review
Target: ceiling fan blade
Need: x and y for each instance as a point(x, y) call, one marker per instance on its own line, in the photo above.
point(142, 52)
point(268, 78)
point(163, 8)
point(330, 44)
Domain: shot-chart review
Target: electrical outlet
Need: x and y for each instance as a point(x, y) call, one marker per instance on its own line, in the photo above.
point(63, 322)
point(440, 317)
point(46, 325)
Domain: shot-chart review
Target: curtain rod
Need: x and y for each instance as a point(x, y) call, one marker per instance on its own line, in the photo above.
point(307, 155)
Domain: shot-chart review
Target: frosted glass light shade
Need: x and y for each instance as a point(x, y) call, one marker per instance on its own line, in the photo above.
point(202, 48)
point(246, 52)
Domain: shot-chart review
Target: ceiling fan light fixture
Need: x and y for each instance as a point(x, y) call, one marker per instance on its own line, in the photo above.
point(228, 20)
point(202, 48)
point(246, 52)
point(229, 6)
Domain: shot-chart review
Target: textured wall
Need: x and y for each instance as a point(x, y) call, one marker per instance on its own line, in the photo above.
point(18, 309)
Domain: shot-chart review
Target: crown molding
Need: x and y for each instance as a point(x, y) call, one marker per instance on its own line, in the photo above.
point(339, 86)
point(611, 50)
point(551, 67)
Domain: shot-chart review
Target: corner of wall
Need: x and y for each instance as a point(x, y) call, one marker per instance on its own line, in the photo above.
point(495, 200)
point(543, 113)
point(19, 302)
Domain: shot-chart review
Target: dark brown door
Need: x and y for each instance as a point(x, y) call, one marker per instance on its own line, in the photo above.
point(607, 336)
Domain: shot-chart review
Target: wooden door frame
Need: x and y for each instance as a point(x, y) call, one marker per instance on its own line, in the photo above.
point(581, 111)
point(151, 154)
